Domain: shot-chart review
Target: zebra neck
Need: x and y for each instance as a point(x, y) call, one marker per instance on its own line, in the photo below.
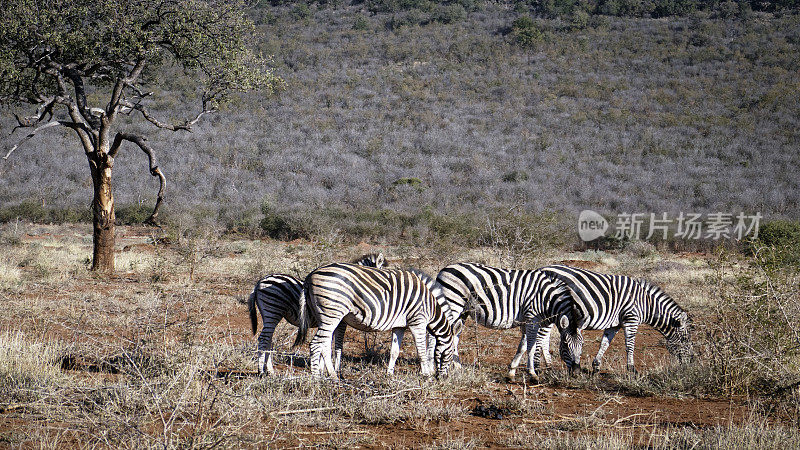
point(654, 312)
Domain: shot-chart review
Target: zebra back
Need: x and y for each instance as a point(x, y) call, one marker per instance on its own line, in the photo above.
point(279, 294)
point(500, 298)
point(437, 291)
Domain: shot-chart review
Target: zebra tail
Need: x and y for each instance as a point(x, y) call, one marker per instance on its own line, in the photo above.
point(302, 327)
point(251, 305)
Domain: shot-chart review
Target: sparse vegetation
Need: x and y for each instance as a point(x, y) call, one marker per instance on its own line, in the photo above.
point(442, 131)
point(690, 113)
point(164, 357)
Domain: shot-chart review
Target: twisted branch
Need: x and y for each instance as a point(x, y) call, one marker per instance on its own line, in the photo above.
point(155, 171)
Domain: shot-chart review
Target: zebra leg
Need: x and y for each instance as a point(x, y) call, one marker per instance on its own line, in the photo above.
point(419, 331)
point(265, 350)
point(321, 351)
point(630, 343)
point(545, 347)
point(431, 346)
point(456, 340)
point(533, 338)
point(394, 353)
point(608, 335)
point(523, 343)
point(338, 344)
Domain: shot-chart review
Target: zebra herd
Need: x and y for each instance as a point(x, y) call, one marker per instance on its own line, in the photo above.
point(370, 297)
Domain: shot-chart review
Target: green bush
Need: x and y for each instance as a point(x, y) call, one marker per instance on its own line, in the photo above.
point(394, 6)
point(525, 32)
point(277, 226)
point(778, 243)
point(515, 176)
point(665, 8)
point(132, 214)
point(35, 212)
point(301, 11)
point(448, 13)
point(579, 19)
point(360, 24)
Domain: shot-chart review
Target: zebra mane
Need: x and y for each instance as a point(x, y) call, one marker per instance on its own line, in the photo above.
point(653, 291)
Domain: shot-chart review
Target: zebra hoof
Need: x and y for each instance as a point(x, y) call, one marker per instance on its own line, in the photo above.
point(534, 377)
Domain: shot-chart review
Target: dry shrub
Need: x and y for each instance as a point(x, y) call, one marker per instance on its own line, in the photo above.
point(752, 342)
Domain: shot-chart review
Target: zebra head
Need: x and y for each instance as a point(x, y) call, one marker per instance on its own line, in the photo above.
point(679, 337)
point(442, 327)
point(445, 347)
point(371, 260)
point(571, 344)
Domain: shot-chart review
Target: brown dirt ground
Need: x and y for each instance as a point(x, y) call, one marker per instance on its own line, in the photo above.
point(561, 408)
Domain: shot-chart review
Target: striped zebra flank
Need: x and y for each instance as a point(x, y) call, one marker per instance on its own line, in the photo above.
point(507, 298)
point(372, 299)
point(277, 297)
point(610, 302)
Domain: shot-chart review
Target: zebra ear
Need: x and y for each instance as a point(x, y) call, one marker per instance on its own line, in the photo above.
point(563, 321)
point(380, 261)
point(457, 327)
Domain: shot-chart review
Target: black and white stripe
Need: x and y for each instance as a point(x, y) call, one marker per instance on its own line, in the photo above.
point(506, 298)
point(277, 297)
point(610, 302)
point(372, 299)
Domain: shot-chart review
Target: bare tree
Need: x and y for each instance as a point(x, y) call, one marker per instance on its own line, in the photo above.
point(60, 56)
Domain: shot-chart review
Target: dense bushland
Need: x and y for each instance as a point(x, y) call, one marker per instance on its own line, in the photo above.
point(488, 107)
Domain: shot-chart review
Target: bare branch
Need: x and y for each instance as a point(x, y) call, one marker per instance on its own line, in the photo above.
point(80, 128)
point(154, 169)
point(185, 126)
point(45, 109)
point(30, 135)
point(119, 87)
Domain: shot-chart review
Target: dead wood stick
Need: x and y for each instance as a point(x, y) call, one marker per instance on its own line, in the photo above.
point(300, 411)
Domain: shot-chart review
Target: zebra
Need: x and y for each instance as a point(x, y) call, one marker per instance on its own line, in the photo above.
point(372, 299)
point(506, 298)
point(610, 302)
point(277, 297)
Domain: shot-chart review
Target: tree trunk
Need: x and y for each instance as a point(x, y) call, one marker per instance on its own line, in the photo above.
point(103, 214)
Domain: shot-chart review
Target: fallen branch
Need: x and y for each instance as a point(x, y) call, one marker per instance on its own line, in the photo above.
point(301, 411)
point(394, 394)
point(622, 419)
point(334, 432)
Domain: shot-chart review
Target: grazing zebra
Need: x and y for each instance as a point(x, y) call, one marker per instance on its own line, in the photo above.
point(506, 298)
point(371, 299)
point(608, 302)
point(277, 296)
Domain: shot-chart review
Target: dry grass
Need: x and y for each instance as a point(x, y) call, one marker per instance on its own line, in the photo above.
point(161, 356)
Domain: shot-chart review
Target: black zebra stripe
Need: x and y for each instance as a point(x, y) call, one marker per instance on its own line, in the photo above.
point(610, 302)
point(277, 297)
point(506, 298)
point(371, 299)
